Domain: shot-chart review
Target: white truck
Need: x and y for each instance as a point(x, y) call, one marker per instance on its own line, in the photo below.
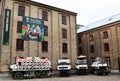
point(30, 67)
point(64, 67)
point(81, 65)
point(99, 67)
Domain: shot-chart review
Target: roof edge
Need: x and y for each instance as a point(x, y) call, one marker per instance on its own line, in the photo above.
point(106, 25)
point(47, 6)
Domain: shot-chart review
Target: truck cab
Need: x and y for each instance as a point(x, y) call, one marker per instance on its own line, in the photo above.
point(64, 67)
point(81, 65)
point(99, 66)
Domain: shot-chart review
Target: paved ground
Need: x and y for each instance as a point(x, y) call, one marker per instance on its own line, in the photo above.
point(90, 77)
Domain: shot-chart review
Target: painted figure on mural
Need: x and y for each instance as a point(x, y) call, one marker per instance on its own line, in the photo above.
point(33, 32)
point(28, 31)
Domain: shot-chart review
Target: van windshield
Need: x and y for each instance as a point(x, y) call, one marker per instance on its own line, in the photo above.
point(64, 63)
point(83, 61)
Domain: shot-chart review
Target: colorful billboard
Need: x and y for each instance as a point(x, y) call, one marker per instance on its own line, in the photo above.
point(32, 29)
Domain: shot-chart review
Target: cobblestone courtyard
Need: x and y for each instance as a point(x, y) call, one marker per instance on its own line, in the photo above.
point(90, 77)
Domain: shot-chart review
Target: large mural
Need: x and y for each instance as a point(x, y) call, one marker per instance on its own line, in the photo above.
point(32, 29)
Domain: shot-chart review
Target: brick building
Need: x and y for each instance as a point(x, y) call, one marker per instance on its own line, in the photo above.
point(101, 38)
point(59, 32)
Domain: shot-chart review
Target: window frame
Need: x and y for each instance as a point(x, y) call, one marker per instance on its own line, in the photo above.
point(64, 20)
point(92, 59)
point(80, 50)
point(91, 38)
point(64, 33)
point(106, 47)
point(105, 35)
point(64, 47)
point(108, 61)
point(45, 30)
point(45, 15)
point(19, 44)
point(92, 49)
point(44, 46)
point(21, 10)
point(79, 40)
point(19, 26)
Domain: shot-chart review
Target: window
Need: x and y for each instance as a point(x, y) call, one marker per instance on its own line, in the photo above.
point(106, 47)
point(105, 34)
point(64, 48)
point(21, 10)
point(92, 59)
point(79, 40)
point(64, 20)
point(19, 44)
point(45, 15)
point(107, 59)
point(44, 46)
point(92, 49)
point(19, 27)
point(46, 30)
point(91, 38)
point(80, 50)
point(64, 33)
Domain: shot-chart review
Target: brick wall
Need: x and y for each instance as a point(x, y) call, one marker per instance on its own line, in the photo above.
point(54, 38)
point(113, 40)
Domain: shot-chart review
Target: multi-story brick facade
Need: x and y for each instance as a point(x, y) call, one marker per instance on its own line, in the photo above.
point(59, 33)
point(101, 39)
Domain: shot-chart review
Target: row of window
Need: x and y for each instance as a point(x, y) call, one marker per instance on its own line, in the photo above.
point(92, 49)
point(106, 48)
point(105, 36)
point(20, 42)
point(91, 37)
point(21, 12)
point(20, 46)
point(19, 29)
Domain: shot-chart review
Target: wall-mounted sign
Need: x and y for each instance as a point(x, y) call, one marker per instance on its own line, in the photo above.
point(6, 27)
point(32, 29)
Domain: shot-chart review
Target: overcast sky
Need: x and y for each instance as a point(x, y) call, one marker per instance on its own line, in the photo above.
point(88, 11)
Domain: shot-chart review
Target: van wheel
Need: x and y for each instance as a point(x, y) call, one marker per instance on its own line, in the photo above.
point(69, 73)
point(44, 74)
point(96, 72)
point(18, 75)
point(106, 73)
point(37, 74)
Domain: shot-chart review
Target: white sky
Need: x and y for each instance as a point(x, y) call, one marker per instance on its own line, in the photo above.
point(88, 11)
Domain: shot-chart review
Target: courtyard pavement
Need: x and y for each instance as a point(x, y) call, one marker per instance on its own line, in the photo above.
point(89, 77)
